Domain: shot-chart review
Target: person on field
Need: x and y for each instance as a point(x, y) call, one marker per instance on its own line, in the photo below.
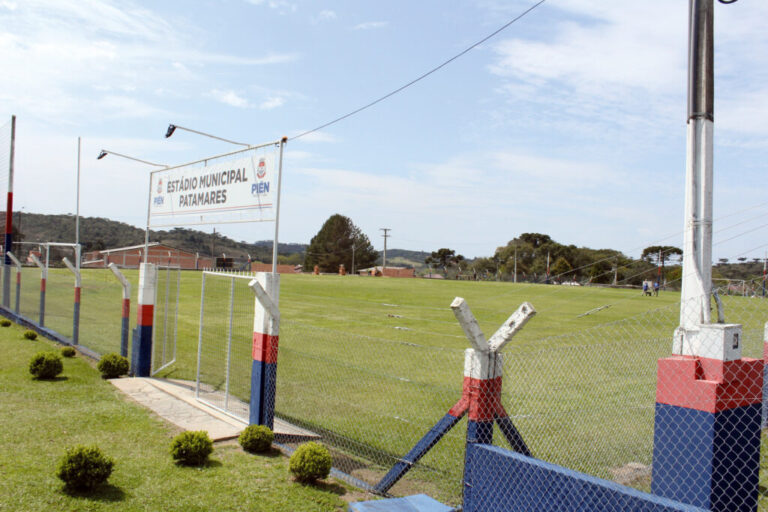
point(645, 288)
point(656, 288)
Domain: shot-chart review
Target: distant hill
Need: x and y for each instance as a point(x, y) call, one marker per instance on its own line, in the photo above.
point(99, 233)
point(405, 258)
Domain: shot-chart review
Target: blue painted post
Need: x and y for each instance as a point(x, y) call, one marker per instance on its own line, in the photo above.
point(266, 330)
point(43, 277)
point(706, 444)
point(17, 264)
point(141, 351)
point(76, 311)
point(126, 310)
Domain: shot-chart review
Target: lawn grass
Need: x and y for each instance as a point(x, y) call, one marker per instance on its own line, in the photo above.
point(372, 364)
point(39, 419)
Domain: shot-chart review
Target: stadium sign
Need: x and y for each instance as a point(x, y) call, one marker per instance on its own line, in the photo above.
point(237, 190)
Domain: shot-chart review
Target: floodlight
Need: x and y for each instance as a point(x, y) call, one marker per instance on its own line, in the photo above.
point(171, 129)
point(102, 154)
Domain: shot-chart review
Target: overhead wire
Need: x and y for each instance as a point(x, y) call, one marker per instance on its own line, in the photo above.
point(420, 77)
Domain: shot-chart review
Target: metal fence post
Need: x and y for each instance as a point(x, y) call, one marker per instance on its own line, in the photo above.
point(17, 263)
point(43, 277)
point(229, 342)
point(126, 309)
point(76, 311)
point(266, 328)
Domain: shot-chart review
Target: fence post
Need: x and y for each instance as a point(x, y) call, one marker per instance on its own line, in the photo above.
point(480, 394)
point(126, 308)
point(43, 277)
point(18, 279)
point(266, 329)
point(76, 311)
point(141, 350)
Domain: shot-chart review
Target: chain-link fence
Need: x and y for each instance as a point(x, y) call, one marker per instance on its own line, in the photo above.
point(225, 342)
point(585, 400)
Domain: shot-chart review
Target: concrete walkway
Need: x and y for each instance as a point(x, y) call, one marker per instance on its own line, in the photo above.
point(174, 400)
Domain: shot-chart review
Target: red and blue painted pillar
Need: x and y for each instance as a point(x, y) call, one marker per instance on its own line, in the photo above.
point(706, 441)
point(764, 422)
point(43, 277)
point(76, 309)
point(126, 309)
point(266, 330)
point(141, 351)
point(8, 240)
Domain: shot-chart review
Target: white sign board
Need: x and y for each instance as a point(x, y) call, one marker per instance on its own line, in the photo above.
point(239, 190)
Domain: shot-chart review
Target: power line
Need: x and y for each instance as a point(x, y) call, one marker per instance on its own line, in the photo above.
point(421, 77)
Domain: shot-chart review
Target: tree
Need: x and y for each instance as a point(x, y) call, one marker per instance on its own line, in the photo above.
point(667, 252)
point(333, 246)
point(560, 267)
point(443, 258)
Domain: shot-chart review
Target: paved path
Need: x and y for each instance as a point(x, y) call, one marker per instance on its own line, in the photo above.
point(174, 400)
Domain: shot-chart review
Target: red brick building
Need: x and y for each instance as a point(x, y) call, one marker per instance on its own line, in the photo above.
point(159, 254)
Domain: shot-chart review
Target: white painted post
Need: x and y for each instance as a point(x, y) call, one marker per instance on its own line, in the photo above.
point(17, 263)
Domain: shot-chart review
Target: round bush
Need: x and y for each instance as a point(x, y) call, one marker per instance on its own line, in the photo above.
point(256, 438)
point(311, 461)
point(45, 365)
point(5, 322)
point(191, 448)
point(30, 335)
point(68, 351)
point(112, 366)
point(84, 467)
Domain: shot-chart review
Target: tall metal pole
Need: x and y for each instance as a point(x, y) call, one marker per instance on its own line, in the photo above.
point(697, 242)
point(765, 267)
point(8, 242)
point(277, 204)
point(77, 213)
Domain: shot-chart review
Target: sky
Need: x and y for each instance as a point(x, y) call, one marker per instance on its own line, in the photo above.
point(571, 122)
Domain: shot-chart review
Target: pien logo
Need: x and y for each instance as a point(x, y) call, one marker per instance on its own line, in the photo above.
point(261, 170)
point(160, 186)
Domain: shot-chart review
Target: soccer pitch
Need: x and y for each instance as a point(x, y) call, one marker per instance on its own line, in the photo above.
point(373, 363)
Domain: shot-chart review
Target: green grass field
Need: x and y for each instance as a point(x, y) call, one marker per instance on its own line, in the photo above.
point(373, 363)
point(39, 419)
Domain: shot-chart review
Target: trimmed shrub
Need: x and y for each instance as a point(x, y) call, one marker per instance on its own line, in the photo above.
point(256, 438)
point(311, 461)
point(45, 365)
point(68, 351)
point(191, 448)
point(30, 335)
point(84, 467)
point(5, 322)
point(112, 366)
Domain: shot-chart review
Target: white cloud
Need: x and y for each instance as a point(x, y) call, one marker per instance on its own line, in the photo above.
point(272, 102)
point(69, 57)
point(282, 6)
point(229, 97)
point(368, 25)
point(625, 64)
point(324, 15)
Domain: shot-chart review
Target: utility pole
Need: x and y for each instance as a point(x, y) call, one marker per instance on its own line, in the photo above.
point(697, 245)
point(547, 280)
point(661, 268)
point(765, 267)
point(616, 271)
point(384, 260)
point(515, 263)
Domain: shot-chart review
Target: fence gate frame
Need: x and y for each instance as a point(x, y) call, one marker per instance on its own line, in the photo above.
point(165, 362)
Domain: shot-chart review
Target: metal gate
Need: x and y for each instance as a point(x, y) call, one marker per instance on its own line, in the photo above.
point(166, 317)
point(225, 343)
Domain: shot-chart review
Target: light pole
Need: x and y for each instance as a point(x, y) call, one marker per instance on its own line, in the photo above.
point(173, 127)
point(384, 260)
point(104, 153)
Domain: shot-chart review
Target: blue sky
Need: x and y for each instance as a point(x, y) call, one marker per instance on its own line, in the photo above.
point(571, 122)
